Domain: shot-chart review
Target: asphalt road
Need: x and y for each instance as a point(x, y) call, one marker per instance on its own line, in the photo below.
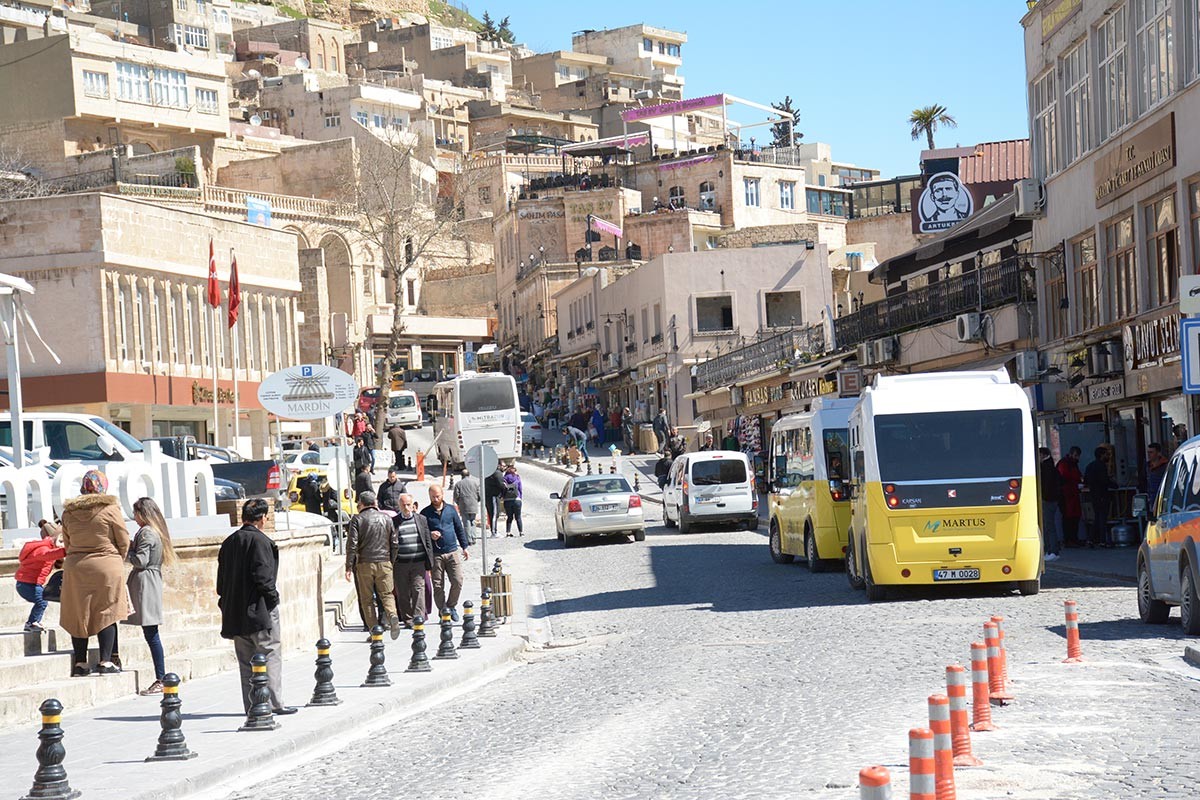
point(694, 667)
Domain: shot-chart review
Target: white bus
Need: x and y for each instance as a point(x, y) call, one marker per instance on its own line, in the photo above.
point(474, 408)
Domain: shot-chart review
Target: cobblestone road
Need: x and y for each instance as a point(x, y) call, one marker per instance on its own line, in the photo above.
point(693, 667)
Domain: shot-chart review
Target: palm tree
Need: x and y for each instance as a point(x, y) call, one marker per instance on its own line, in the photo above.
point(926, 120)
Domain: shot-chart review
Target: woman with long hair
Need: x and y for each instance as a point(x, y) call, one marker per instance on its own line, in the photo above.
point(151, 549)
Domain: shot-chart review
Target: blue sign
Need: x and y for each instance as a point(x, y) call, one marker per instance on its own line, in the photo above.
point(258, 212)
point(1189, 348)
point(469, 359)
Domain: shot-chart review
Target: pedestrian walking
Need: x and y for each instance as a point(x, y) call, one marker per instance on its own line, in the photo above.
point(1051, 486)
point(390, 490)
point(414, 560)
point(661, 428)
point(730, 442)
point(150, 551)
point(362, 481)
point(578, 420)
point(369, 441)
point(1156, 469)
point(34, 565)
point(466, 499)
point(493, 495)
point(513, 500)
point(94, 598)
point(597, 424)
point(449, 550)
point(360, 456)
point(1070, 506)
point(708, 443)
point(247, 571)
point(370, 554)
point(662, 469)
point(627, 432)
point(399, 441)
point(1100, 486)
point(310, 492)
point(676, 444)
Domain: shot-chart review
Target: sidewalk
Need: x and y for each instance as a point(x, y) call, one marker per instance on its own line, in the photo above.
point(106, 747)
point(640, 466)
point(1116, 563)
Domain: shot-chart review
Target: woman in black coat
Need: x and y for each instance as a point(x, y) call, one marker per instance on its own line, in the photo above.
point(493, 493)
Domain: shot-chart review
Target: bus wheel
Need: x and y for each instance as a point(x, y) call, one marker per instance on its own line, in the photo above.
point(855, 580)
point(815, 564)
point(776, 544)
point(1027, 588)
point(875, 592)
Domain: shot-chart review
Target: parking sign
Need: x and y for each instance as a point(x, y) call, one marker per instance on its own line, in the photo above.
point(1189, 348)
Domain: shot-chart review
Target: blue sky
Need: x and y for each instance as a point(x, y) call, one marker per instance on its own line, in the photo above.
point(855, 68)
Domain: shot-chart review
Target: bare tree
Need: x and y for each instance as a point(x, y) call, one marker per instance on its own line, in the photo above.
point(19, 179)
point(404, 213)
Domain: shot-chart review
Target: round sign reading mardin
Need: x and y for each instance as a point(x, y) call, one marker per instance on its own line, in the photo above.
point(308, 391)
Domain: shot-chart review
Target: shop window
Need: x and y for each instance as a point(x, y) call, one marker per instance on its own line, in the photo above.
point(1122, 267)
point(1083, 257)
point(784, 309)
point(714, 314)
point(1162, 249)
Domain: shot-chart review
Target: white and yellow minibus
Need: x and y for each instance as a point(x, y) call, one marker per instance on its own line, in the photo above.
point(809, 501)
point(943, 484)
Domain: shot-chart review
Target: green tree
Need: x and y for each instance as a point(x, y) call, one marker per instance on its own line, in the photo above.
point(782, 136)
point(488, 31)
point(927, 120)
point(504, 32)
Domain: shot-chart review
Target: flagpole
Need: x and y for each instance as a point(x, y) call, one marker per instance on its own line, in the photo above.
point(234, 335)
point(216, 359)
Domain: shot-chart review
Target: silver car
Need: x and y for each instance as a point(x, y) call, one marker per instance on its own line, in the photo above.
point(598, 504)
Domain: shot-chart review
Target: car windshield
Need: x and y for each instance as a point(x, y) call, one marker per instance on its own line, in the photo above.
point(529, 419)
point(402, 401)
point(128, 442)
point(486, 394)
point(602, 486)
point(718, 471)
point(949, 445)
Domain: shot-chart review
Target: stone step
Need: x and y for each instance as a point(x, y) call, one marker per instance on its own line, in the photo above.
point(19, 644)
point(20, 706)
point(13, 614)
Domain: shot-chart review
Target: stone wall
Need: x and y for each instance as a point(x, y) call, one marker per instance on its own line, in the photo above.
point(891, 233)
point(37, 144)
point(323, 170)
point(462, 291)
point(770, 234)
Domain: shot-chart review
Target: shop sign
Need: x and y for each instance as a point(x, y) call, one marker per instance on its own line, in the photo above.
point(1108, 390)
point(307, 391)
point(1056, 15)
point(814, 387)
point(762, 395)
point(1068, 398)
point(1135, 160)
point(849, 382)
point(202, 395)
point(1149, 343)
point(735, 396)
point(534, 214)
point(944, 203)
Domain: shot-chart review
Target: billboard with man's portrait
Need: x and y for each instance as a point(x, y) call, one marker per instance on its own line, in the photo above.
point(944, 203)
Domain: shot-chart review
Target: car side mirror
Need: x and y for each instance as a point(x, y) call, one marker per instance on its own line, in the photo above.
point(106, 444)
point(555, 496)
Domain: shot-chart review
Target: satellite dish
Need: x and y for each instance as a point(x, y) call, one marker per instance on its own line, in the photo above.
point(302, 63)
point(253, 73)
point(256, 120)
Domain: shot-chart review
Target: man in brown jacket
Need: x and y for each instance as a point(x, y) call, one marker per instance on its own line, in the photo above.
point(399, 440)
point(370, 553)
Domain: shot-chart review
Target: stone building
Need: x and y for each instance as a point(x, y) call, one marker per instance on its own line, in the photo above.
point(322, 43)
point(197, 27)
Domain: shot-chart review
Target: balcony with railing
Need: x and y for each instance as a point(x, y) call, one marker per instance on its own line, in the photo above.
point(224, 200)
point(792, 346)
point(978, 290)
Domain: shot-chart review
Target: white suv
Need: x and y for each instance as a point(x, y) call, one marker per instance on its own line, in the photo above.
point(714, 486)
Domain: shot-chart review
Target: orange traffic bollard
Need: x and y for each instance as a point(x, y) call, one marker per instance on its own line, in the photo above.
point(981, 706)
point(1003, 651)
point(960, 727)
point(420, 466)
point(1074, 650)
point(921, 784)
point(943, 749)
point(995, 677)
point(874, 783)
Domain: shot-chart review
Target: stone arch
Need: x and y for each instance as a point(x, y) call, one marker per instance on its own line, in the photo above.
point(319, 53)
point(141, 148)
point(301, 237)
point(339, 275)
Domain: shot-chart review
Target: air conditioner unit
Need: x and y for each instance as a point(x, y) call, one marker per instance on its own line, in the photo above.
point(1104, 358)
point(611, 361)
point(866, 354)
point(969, 326)
point(1031, 198)
point(886, 350)
point(1028, 366)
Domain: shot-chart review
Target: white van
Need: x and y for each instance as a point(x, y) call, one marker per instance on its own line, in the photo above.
point(712, 486)
point(403, 409)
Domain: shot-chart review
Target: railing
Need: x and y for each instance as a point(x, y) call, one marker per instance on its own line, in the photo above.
point(771, 353)
point(656, 338)
point(983, 289)
point(631, 347)
point(224, 199)
point(787, 156)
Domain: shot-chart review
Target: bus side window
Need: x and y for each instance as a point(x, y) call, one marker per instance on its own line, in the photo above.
point(860, 465)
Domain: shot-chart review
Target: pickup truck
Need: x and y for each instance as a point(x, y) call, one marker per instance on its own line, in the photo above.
point(259, 478)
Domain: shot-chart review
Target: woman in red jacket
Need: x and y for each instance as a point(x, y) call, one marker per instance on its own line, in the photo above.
point(1072, 508)
point(34, 566)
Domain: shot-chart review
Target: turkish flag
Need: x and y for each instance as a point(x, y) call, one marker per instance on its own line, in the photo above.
point(214, 286)
point(235, 290)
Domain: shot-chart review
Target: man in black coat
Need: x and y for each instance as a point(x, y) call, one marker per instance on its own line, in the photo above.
point(247, 568)
point(493, 493)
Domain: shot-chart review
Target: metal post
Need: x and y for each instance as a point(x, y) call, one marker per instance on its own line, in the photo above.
point(287, 501)
point(236, 410)
point(212, 316)
point(8, 316)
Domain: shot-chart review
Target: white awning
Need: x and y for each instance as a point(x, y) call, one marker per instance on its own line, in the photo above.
point(486, 349)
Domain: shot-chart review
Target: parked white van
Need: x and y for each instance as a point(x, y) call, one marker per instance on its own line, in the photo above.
point(403, 409)
point(710, 487)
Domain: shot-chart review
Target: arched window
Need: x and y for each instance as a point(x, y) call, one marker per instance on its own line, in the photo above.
point(708, 196)
point(676, 197)
point(319, 54)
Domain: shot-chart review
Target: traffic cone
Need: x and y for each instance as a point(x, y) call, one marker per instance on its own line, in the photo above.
point(995, 677)
point(921, 783)
point(943, 749)
point(1074, 650)
point(1003, 651)
point(960, 729)
point(981, 706)
point(874, 783)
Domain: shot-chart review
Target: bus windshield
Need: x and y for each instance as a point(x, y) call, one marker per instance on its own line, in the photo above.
point(486, 394)
point(949, 445)
point(837, 453)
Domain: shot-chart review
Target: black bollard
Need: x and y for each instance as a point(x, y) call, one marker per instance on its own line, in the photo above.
point(50, 779)
point(487, 624)
point(589, 468)
point(612, 469)
point(259, 717)
point(469, 640)
point(419, 662)
point(637, 487)
point(171, 744)
point(446, 649)
point(323, 693)
point(377, 675)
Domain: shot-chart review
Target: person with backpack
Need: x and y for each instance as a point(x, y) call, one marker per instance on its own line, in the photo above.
point(493, 494)
point(512, 500)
